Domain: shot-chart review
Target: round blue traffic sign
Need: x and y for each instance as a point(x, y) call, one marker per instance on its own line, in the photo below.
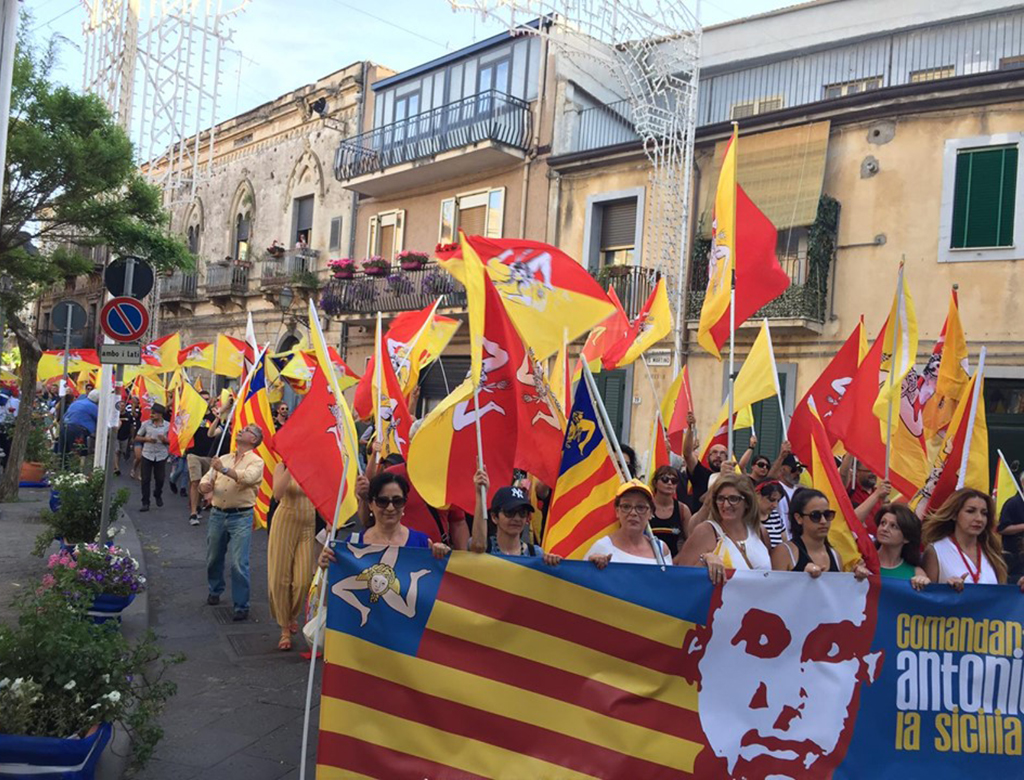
point(124, 319)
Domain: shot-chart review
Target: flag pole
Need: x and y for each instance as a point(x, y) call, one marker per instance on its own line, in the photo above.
point(479, 444)
point(732, 360)
point(892, 369)
point(609, 434)
point(379, 432)
point(978, 378)
point(778, 387)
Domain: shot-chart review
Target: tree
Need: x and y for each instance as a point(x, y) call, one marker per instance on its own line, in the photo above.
point(70, 181)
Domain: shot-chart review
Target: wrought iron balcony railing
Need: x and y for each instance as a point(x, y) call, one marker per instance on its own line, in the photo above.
point(295, 267)
point(632, 283)
point(227, 280)
point(397, 292)
point(179, 287)
point(487, 116)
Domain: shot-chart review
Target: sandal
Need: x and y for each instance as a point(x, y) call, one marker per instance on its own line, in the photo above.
point(284, 643)
point(293, 627)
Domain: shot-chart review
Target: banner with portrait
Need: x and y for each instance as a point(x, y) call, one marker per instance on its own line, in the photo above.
point(486, 666)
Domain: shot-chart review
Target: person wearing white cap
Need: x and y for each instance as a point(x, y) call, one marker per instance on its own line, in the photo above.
point(79, 423)
point(634, 507)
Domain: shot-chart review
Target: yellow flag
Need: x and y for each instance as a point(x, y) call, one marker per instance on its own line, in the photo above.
point(189, 410)
point(953, 374)
point(469, 269)
point(758, 379)
point(1007, 485)
point(722, 257)
point(349, 504)
point(228, 357)
point(899, 351)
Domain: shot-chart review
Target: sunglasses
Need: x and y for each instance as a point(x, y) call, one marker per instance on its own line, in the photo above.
point(522, 512)
point(730, 500)
point(383, 502)
point(669, 480)
point(817, 514)
point(762, 464)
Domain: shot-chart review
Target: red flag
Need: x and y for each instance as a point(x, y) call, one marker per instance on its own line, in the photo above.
point(759, 277)
point(676, 408)
point(826, 392)
point(540, 421)
point(393, 414)
point(604, 337)
point(308, 444)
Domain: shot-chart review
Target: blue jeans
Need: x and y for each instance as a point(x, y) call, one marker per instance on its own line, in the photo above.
point(179, 474)
point(229, 531)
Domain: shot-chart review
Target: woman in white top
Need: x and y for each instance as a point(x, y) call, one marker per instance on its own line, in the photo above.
point(634, 506)
point(732, 537)
point(962, 546)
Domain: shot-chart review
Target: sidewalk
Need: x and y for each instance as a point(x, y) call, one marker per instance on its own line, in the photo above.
point(238, 712)
point(19, 527)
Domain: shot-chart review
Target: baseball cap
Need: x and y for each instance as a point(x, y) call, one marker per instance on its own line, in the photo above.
point(509, 498)
point(634, 484)
point(791, 461)
point(94, 396)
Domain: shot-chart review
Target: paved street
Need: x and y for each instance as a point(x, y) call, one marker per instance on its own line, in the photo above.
point(238, 712)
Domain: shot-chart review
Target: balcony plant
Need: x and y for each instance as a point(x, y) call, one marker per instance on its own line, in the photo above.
point(276, 250)
point(342, 267)
point(437, 282)
point(57, 707)
point(376, 266)
point(305, 280)
point(332, 303)
point(399, 284)
point(412, 261)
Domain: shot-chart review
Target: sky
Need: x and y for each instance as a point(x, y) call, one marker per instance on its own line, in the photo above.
point(280, 45)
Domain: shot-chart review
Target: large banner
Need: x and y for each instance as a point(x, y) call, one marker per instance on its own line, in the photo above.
point(481, 666)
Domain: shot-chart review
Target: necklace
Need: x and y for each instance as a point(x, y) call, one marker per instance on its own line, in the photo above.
point(974, 574)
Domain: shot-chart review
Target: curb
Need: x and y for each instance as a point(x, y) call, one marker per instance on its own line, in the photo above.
point(113, 764)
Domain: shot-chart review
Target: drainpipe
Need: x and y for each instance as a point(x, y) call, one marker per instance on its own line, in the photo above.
point(535, 141)
point(684, 336)
point(355, 195)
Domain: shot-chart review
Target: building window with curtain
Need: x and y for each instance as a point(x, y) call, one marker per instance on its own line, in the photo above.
point(475, 213)
point(618, 233)
point(302, 218)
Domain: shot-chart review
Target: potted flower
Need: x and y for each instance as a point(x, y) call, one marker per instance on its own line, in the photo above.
point(412, 261)
point(58, 707)
point(342, 267)
point(109, 574)
point(376, 266)
point(38, 455)
point(276, 250)
point(77, 517)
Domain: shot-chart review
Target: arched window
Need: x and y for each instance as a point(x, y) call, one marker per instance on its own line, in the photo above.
point(243, 227)
point(193, 239)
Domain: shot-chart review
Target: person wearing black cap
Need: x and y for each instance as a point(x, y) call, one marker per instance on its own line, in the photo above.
point(511, 511)
point(153, 436)
point(788, 469)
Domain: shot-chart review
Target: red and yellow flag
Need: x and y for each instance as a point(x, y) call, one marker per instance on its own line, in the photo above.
point(676, 408)
point(198, 355)
point(651, 325)
point(899, 350)
point(657, 451)
point(51, 364)
point(940, 391)
point(611, 331)
point(847, 534)
point(344, 375)
point(1007, 486)
point(149, 391)
point(163, 352)
point(391, 415)
point(723, 251)
point(229, 357)
point(253, 408)
point(189, 410)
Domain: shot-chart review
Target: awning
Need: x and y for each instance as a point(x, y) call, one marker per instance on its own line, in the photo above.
point(782, 171)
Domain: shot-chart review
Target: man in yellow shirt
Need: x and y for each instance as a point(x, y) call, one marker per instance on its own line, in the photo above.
point(232, 484)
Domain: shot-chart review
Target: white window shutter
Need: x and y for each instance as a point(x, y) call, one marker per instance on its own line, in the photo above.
point(399, 231)
point(495, 213)
point(371, 236)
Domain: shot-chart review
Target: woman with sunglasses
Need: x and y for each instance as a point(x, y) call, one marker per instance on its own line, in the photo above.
point(670, 515)
point(809, 550)
point(387, 495)
point(510, 513)
point(732, 537)
point(759, 471)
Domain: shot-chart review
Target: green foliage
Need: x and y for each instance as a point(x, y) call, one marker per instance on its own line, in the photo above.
point(78, 517)
point(61, 674)
point(305, 280)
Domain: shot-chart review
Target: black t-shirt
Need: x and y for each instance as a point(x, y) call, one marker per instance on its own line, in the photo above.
point(202, 442)
point(1012, 514)
point(699, 478)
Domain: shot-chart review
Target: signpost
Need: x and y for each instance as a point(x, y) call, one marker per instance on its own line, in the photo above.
point(67, 316)
point(124, 319)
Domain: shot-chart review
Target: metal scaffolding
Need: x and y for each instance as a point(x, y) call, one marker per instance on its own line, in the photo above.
point(648, 51)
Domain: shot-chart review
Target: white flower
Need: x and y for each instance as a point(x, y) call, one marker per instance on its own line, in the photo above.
point(70, 685)
point(5, 682)
point(105, 678)
point(114, 697)
point(95, 706)
point(17, 683)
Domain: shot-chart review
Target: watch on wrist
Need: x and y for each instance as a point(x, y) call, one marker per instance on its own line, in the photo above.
point(224, 470)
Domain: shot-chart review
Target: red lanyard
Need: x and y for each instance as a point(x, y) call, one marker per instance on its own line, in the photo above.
point(976, 574)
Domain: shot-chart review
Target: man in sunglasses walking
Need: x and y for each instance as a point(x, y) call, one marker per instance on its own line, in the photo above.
point(232, 484)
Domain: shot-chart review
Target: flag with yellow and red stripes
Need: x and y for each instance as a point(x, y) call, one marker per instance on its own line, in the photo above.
point(253, 408)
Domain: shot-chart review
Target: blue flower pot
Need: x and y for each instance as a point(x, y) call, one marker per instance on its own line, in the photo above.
point(54, 500)
point(52, 758)
point(107, 607)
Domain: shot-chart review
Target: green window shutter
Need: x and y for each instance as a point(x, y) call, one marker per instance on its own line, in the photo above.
point(984, 197)
point(612, 387)
point(767, 424)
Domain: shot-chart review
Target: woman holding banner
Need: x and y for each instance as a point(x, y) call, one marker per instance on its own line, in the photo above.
point(732, 537)
point(899, 544)
point(962, 544)
point(634, 507)
point(510, 513)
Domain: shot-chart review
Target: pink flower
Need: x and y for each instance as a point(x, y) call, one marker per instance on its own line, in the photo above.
point(48, 581)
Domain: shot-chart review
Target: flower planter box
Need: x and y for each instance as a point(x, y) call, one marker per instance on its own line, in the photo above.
point(376, 270)
point(32, 472)
point(412, 265)
point(348, 274)
point(107, 607)
point(50, 758)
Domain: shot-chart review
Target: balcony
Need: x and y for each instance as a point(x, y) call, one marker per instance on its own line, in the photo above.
point(486, 130)
point(603, 126)
point(178, 287)
point(296, 268)
point(227, 280)
point(632, 284)
point(400, 291)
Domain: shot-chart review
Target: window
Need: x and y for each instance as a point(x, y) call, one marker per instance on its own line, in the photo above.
point(983, 203)
point(386, 234)
point(855, 87)
point(791, 250)
point(612, 386)
point(302, 217)
point(754, 107)
point(618, 232)
point(981, 179)
point(335, 242)
point(243, 226)
point(437, 382)
point(1011, 63)
point(932, 74)
point(475, 213)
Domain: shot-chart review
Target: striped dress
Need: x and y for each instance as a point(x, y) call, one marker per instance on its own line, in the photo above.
point(290, 559)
